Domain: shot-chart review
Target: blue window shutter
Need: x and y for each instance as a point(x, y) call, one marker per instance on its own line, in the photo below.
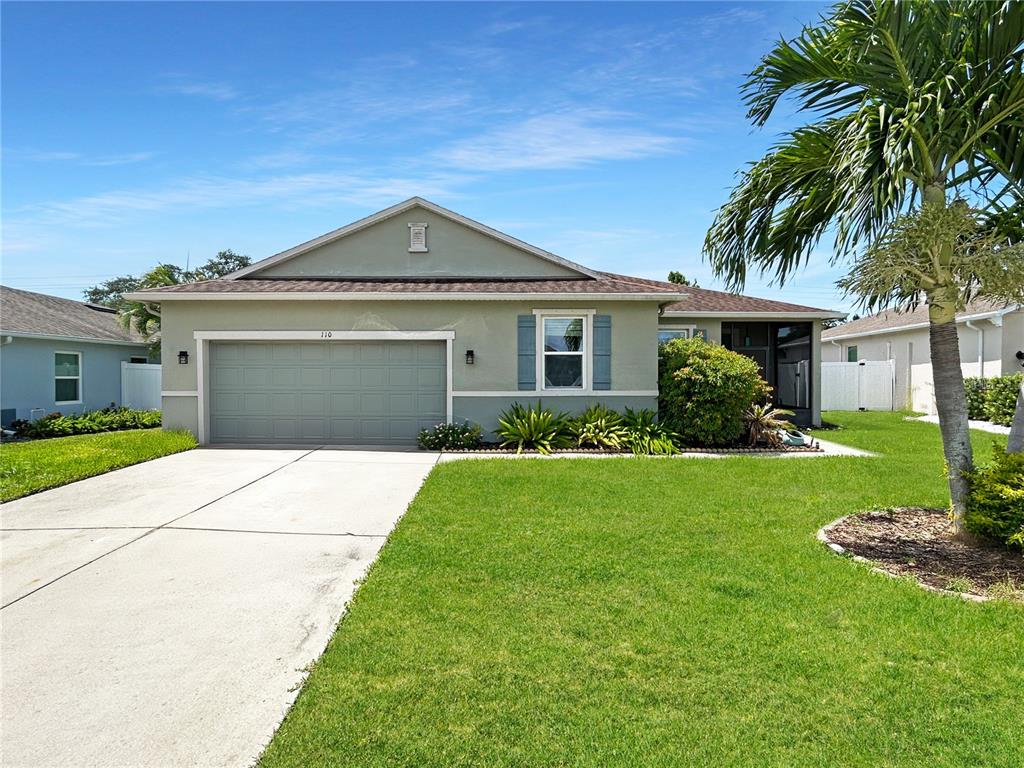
point(602, 352)
point(527, 339)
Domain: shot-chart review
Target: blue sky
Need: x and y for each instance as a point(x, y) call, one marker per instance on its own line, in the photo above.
point(609, 133)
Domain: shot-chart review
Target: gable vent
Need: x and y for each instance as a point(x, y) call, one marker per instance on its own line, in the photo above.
point(418, 238)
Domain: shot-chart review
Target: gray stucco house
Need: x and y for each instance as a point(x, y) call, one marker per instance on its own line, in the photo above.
point(60, 355)
point(417, 315)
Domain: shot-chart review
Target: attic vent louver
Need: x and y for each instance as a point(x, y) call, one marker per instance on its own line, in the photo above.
point(418, 238)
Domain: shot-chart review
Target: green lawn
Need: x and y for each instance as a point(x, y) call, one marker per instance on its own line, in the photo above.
point(40, 464)
point(623, 612)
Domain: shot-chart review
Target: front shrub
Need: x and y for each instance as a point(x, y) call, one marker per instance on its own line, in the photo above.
point(1001, 398)
point(534, 427)
point(705, 391)
point(451, 437)
point(106, 420)
point(995, 506)
point(976, 389)
point(646, 436)
point(598, 427)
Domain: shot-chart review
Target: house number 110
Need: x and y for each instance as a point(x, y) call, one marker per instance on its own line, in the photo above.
point(326, 334)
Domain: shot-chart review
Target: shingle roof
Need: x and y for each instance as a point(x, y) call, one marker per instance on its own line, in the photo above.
point(42, 315)
point(893, 320)
point(604, 283)
point(705, 300)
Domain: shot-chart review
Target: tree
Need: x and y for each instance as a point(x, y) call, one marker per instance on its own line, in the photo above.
point(109, 292)
point(680, 279)
point(911, 101)
point(141, 317)
point(939, 245)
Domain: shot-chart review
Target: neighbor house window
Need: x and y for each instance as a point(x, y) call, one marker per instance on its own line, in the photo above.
point(851, 354)
point(138, 360)
point(67, 377)
point(564, 347)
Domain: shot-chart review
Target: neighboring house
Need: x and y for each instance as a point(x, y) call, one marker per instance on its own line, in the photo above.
point(417, 315)
point(991, 333)
point(60, 355)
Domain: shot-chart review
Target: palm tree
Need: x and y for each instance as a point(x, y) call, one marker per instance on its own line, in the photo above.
point(912, 102)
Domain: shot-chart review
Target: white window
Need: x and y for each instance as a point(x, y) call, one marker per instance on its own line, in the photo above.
point(564, 344)
point(667, 333)
point(67, 378)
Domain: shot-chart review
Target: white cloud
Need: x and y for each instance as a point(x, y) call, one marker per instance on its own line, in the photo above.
point(208, 90)
point(556, 140)
point(213, 192)
point(78, 158)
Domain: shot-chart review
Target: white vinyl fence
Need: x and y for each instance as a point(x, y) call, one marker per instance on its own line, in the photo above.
point(864, 386)
point(140, 386)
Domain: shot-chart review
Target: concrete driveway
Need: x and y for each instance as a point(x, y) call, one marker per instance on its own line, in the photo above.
point(162, 615)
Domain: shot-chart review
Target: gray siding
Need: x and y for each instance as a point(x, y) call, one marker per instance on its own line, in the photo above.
point(485, 410)
point(26, 374)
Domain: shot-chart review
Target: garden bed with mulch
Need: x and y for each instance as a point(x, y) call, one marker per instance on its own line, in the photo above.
point(497, 448)
point(918, 542)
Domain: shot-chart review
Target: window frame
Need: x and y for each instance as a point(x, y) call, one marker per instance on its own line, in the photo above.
point(585, 353)
point(690, 330)
point(77, 379)
point(856, 353)
point(138, 360)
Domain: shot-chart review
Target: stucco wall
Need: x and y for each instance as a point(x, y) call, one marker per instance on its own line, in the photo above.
point(382, 250)
point(488, 328)
point(27, 374)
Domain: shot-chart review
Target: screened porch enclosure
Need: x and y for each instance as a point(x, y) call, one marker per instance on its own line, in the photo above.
point(783, 352)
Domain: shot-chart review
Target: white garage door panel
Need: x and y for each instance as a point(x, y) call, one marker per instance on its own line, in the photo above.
point(325, 392)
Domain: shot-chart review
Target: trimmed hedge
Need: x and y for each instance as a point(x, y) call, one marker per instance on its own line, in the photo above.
point(106, 420)
point(1001, 398)
point(705, 391)
point(976, 388)
point(995, 506)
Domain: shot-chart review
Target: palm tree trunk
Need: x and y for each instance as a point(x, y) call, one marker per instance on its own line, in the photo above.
point(1015, 443)
point(951, 402)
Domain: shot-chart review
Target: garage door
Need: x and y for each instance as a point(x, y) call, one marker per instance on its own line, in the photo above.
point(357, 393)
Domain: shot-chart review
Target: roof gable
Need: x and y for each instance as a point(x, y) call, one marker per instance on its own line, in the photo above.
point(378, 247)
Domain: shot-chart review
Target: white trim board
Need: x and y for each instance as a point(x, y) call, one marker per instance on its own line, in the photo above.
point(203, 339)
point(395, 210)
point(780, 316)
point(79, 339)
point(548, 393)
point(158, 297)
point(333, 335)
point(179, 393)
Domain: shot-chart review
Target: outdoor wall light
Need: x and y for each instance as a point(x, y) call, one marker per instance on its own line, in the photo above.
point(183, 357)
point(470, 357)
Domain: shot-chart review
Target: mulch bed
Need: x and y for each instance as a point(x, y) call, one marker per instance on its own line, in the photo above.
point(496, 448)
point(918, 542)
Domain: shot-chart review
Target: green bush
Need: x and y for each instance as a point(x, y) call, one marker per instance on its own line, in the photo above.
point(646, 436)
point(1001, 398)
point(106, 420)
point(976, 389)
point(447, 437)
point(598, 427)
point(535, 427)
point(995, 506)
point(705, 390)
